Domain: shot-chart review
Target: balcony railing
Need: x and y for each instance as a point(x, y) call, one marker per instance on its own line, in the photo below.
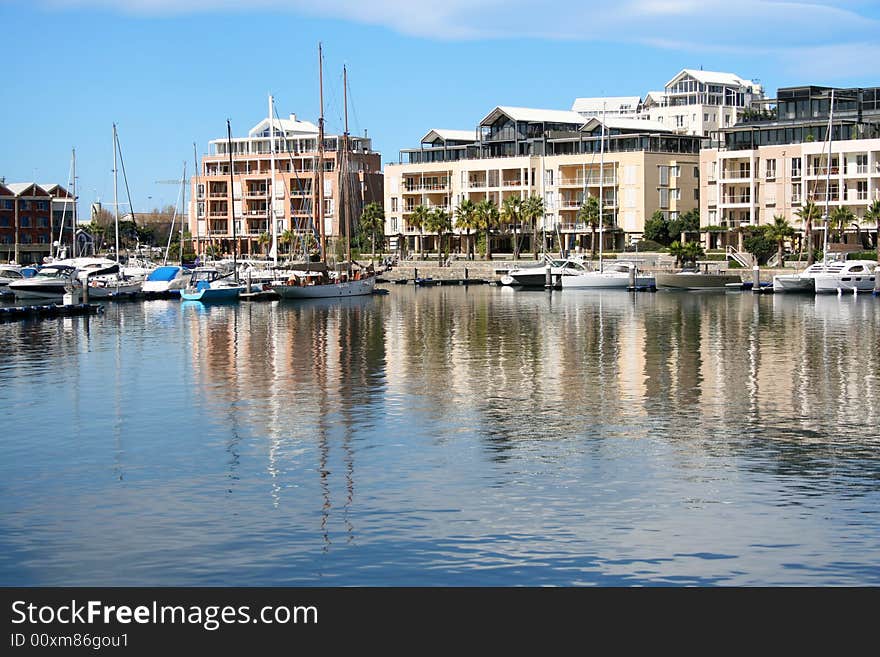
point(737, 198)
point(795, 173)
point(476, 184)
point(822, 171)
point(427, 187)
point(222, 194)
point(588, 181)
point(736, 174)
point(221, 213)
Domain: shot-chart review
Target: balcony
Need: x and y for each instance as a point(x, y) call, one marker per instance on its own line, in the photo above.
point(256, 192)
point(214, 194)
point(736, 174)
point(587, 181)
point(219, 213)
point(823, 171)
point(737, 199)
point(476, 184)
point(516, 182)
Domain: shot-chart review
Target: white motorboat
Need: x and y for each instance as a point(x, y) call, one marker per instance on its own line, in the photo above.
point(804, 281)
point(846, 276)
point(535, 275)
point(9, 274)
point(113, 286)
point(51, 282)
point(171, 278)
point(614, 275)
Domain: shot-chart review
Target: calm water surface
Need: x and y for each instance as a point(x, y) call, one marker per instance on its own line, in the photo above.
point(445, 436)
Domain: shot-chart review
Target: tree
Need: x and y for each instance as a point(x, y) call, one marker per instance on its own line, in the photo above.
point(677, 249)
point(873, 213)
point(287, 238)
point(808, 213)
point(263, 241)
point(779, 231)
point(419, 218)
point(466, 219)
point(687, 222)
point(487, 219)
point(372, 222)
point(440, 222)
point(533, 209)
point(589, 214)
point(511, 212)
point(657, 229)
point(840, 218)
point(758, 242)
point(693, 251)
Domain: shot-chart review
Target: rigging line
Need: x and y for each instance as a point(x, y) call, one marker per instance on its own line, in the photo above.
point(353, 109)
point(64, 212)
point(124, 179)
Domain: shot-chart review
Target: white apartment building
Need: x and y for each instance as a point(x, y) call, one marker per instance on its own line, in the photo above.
point(772, 167)
point(556, 155)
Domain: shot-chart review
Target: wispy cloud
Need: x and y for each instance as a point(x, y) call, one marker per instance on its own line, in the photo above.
point(736, 25)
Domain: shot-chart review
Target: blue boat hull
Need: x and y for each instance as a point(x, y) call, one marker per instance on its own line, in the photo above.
point(212, 295)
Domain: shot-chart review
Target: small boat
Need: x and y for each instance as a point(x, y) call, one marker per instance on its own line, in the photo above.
point(113, 286)
point(695, 280)
point(317, 285)
point(172, 278)
point(210, 286)
point(536, 275)
point(614, 275)
point(51, 282)
point(8, 274)
point(845, 276)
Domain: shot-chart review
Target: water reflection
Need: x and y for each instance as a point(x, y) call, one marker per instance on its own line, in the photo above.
point(446, 435)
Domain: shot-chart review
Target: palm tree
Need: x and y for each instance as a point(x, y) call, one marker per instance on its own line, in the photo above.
point(808, 213)
point(589, 214)
point(419, 218)
point(466, 218)
point(287, 237)
point(263, 241)
point(532, 210)
point(487, 219)
point(440, 222)
point(511, 211)
point(841, 217)
point(779, 231)
point(679, 251)
point(373, 221)
point(692, 251)
point(873, 212)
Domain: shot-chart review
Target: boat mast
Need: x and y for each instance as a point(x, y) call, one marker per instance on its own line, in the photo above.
point(601, 188)
point(115, 193)
point(182, 207)
point(232, 201)
point(73, 226)
point(828, 178)
point(343, 174)
point(320, 209)
point(196, 198)
point(272, 181)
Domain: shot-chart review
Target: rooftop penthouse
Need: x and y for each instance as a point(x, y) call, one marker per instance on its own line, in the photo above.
point(522, 131)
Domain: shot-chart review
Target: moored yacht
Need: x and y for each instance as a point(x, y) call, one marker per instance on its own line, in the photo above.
point(847, 276)
point(51, 282)
point(535, 275)
point(171, 278)
point(614, 275)
point(695, 280)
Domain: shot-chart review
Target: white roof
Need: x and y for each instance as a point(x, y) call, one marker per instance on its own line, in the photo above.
point(450, 135)
point(610, 104)
point(291, 125)
point(621, 123)
point(535, 115)
point(657, 97)
point(711, 77)
point(18, 188)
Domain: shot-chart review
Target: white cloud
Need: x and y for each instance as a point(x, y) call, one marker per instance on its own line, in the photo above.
point(740, 25)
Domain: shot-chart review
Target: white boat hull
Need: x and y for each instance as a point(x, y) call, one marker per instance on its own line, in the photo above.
point(112, 289)
point(831, 283)
point(327, 290)
point(696, 281)
point(793, 283)
point(42, 290)
point(604, 281)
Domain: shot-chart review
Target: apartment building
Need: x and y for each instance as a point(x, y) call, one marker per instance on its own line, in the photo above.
point(27, 219)
point(251, 191)
point(635, 166)
point(771, 164)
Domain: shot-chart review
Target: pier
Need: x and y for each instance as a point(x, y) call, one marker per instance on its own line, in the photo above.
point(18, 313)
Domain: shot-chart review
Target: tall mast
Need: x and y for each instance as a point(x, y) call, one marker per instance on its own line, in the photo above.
point(196, 198)
point(272, 181)
point(828, 178)
point(320, 208)
point(232, 201)
point(601, 188)
point(343, 173)
point(115, 193)
point(182, 207)
point(75, 200)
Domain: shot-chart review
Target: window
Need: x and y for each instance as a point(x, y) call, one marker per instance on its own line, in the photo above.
point(674, 171)
point(42, 205)
point(43, 239)
point(4, 222)
point(393, 224)
point(705, 117)
point(862, 190)
point(548, 176)
point(771, 170)
point(673, 215)
point(795, 167)
point(43, 222)
point(696, 194)
point(25, 222)
point(696, 172)
point(9, 205)
point(394, 204)
point(796, 193)
point(664, 175)
point(675, 194)
point(664, 198)
point(201, 190)
point(202, 209)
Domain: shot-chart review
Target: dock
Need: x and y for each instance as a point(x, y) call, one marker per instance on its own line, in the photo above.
point(18, 313)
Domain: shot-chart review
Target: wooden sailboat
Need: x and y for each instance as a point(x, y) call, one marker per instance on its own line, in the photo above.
point(319, 283)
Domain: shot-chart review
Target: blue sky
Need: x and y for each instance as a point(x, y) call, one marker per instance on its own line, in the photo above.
point(170, 72)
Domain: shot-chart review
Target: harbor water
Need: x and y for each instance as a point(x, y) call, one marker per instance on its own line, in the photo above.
point(445, 436)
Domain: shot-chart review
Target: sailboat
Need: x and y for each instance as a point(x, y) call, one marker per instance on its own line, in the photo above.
point(316, 282)
point(208, 284)
point(616, 276)
point(805, 281)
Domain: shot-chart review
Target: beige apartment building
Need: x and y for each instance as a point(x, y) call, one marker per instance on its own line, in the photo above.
point(252, 192)
point(772, 167)
point(635, 166)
